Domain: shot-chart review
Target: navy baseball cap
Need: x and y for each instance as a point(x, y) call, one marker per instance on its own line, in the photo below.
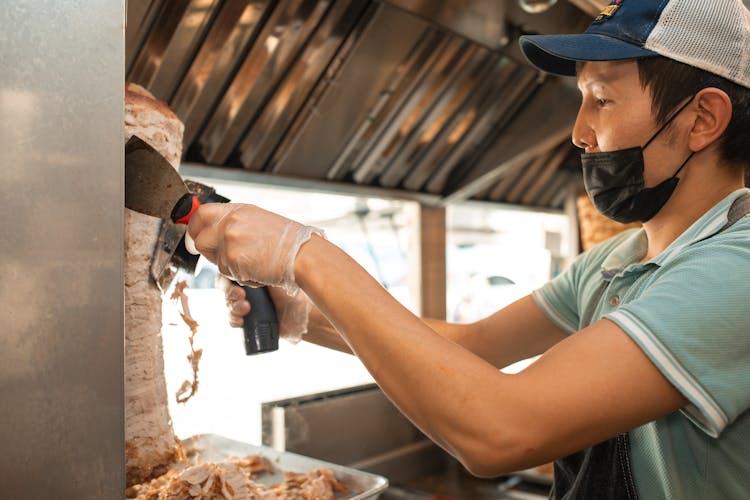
point(713, 35)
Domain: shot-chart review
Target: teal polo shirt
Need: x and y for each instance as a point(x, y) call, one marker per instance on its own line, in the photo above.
point(687, 309)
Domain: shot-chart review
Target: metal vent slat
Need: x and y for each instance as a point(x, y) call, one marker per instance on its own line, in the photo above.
point(506, 100)
point(294, 89)
point(158, 54)
point(532, 192)
point(473, 125)
point(215, 63)
point(438, 148)
point(388, 106)
point(283, 35)
point(406, 110)
point(460, 83)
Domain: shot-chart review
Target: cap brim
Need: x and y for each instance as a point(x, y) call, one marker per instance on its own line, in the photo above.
point(558, 54)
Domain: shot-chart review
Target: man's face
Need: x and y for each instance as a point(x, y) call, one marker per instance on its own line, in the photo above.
point(616, 114)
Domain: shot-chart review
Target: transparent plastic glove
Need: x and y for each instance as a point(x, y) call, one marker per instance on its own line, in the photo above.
point(248, 244)
point(293, 312)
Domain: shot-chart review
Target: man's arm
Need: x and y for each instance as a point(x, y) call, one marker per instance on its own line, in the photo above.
point(516, 332)
point(591, 386)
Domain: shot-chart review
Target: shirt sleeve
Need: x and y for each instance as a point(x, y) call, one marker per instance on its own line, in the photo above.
point(558, 298)
point(691, 320)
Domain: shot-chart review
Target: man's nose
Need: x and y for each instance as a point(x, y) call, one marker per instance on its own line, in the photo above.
point(583, 135)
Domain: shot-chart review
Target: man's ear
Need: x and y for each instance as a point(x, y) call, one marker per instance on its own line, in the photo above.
point(713, 113)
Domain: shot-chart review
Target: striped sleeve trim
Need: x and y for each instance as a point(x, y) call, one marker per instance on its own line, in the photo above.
point(704, 410)
point(547, 309)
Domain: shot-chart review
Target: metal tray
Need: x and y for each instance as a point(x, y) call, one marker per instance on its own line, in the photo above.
point(214, 448)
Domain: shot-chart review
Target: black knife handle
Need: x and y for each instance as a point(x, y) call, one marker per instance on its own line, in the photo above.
point(261, 328)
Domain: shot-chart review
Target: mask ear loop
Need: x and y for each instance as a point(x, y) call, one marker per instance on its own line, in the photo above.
point(666, 124)
point(683, 164)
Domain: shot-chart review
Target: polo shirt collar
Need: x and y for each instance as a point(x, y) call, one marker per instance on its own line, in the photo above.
point(634, 247)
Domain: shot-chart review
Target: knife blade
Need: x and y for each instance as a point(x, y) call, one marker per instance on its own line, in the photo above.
point(153, 187)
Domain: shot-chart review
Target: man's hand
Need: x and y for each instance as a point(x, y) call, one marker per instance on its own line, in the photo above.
point(293, 312)
point(248, 244)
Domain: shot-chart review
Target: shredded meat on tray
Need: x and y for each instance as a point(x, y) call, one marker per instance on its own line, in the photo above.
point(316, 484)
point(233, 479)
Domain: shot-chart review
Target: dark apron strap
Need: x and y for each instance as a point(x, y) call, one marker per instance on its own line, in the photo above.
point(602, 472)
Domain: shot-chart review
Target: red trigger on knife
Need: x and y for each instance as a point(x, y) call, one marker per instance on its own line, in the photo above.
point(180, 208)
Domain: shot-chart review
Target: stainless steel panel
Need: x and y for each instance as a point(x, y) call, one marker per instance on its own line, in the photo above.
point(344, 426)
point(214, 64)
point(534, 190)
point(456, 126)
point(61, 290)
point(151, 57)
point(460, 81)
point(527, 176)
point(523, 138)
point(296, 87)
point(283, 36)
point(390, 108)
point(464, 129)
point(480, 20)
point(139, 21)
point(419, 101)
point(515, 85)
point(510, 178)
point(304, 150)
point(166, 54)
point(406, 463)
point(560, 183)
point(560, 198)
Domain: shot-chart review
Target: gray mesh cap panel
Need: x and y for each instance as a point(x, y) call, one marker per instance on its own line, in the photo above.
point(713, 35)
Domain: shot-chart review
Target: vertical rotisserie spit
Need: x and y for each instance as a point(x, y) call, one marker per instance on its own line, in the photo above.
point(150, 444)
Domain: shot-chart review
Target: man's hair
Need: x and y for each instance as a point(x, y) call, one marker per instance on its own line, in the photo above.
point(671, 82)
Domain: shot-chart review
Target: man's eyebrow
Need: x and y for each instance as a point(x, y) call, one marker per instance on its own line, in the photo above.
point(600, 79)
point(595, 83)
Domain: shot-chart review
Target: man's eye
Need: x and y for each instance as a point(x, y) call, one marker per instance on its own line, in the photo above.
point(602, 102)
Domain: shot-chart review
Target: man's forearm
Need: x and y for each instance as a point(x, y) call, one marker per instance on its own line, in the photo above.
point(321, 332)
point(452, 331)
point(511, 334)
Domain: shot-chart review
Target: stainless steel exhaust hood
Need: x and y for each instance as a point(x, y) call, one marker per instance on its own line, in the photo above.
point(413, 96)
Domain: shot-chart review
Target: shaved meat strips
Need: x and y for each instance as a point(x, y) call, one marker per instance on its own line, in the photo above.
point(234, 479)
point(188, 389)
point(313, 485)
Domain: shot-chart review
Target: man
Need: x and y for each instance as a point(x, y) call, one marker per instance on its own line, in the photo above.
point(643, 386)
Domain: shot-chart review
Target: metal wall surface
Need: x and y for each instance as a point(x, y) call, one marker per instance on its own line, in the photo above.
point(61, 285)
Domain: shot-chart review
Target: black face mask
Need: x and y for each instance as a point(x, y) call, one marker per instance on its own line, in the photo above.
point(614, 182)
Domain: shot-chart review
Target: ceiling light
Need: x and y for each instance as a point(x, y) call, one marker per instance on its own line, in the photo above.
point(536, 6)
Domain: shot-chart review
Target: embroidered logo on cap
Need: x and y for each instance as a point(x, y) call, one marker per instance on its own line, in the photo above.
point(609, 10)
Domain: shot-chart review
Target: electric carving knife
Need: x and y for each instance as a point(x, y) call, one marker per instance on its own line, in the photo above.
point(153, 187)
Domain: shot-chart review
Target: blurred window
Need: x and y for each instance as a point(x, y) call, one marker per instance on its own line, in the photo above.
point(494, 256)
